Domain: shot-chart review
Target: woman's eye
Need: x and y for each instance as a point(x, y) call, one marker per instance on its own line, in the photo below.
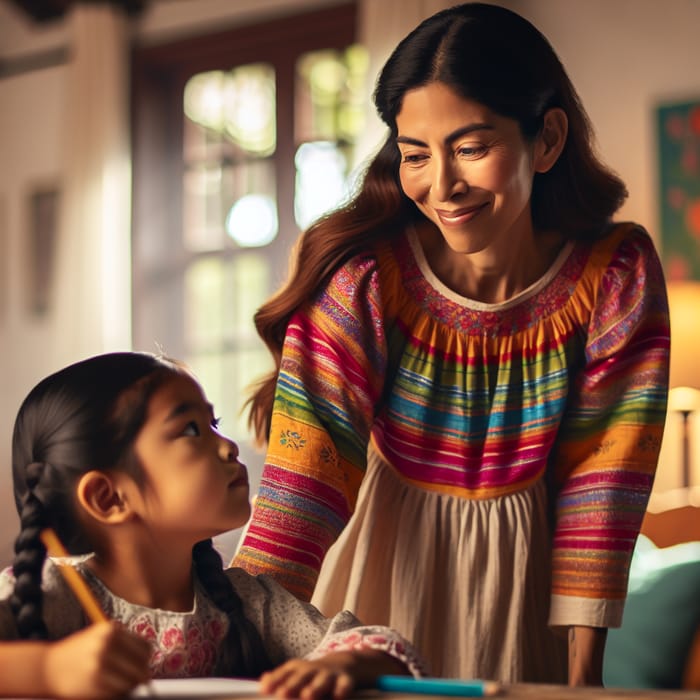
point(475, 151)
point(215, 423)
point(413, 157)
point(191, 429)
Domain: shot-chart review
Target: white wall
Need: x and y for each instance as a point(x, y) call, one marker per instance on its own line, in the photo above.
point(623, 55)
point(31, 156)
point(626, 57)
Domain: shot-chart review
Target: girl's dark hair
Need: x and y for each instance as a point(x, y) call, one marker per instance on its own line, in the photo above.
point(84, 417)
point(485, 53)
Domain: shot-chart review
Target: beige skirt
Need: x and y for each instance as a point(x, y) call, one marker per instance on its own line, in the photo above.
point(467, 581)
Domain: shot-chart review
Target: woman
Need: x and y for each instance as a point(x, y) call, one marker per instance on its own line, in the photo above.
point(472, 368)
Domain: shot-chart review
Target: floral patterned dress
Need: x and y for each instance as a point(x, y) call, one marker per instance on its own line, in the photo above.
point(186, 644)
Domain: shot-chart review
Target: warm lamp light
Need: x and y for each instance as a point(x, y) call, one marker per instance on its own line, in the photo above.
point(684, 399)
point(684, 395)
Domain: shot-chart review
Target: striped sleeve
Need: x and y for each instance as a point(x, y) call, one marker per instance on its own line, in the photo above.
point(330, 380)
point(610, 439)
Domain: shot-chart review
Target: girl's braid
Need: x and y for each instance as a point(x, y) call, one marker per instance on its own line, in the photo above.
point(243, 653)
point(30, 553)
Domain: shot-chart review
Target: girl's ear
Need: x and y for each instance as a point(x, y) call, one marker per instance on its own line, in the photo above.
point(551, 139)
point(99, 494)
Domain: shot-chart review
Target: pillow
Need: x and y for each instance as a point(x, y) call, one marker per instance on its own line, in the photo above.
point(662, 614)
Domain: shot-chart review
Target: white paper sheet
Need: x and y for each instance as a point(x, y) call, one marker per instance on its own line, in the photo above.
point(198, 688)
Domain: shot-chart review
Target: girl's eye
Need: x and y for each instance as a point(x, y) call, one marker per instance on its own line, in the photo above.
point(215, 423)
point(191, 429)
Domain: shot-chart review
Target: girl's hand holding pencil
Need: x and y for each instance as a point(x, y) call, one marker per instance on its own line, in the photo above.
point(103, 660)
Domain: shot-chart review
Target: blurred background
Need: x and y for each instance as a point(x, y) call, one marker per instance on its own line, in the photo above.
point(159, 157)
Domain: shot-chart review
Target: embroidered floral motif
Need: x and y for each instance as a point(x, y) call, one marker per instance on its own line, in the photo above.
point(292, 439)
point(549, 299)
point(649, 443)
point(604, 447)
point(326, 455)
point(143, 626)
point(185, 645)
point(184, 649)
point(172, 638)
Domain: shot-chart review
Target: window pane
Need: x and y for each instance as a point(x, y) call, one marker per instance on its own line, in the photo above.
point(330, 95)
point(203, 213)
point(204, 297)
point(238, 105)
point(230, 138)
point(329, 116)
point(248, 279)
point(249, 108)
point(210, 194)
point(221, 298)
point(321, 170)
point(198, 286)
point(250, 218)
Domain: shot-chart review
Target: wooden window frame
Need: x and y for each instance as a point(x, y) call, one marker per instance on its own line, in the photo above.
point(158, 78)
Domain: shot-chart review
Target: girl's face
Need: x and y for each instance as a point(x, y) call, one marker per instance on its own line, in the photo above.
point(195, 487)
point(467, 169)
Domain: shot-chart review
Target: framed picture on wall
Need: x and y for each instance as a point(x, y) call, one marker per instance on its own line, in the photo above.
point(678, 130)
point(43, 227)
point(4, 261)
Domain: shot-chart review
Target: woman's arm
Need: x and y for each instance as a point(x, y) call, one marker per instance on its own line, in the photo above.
point(101, 661)
point(586, 647)
point(330, 381)
point(608, 443)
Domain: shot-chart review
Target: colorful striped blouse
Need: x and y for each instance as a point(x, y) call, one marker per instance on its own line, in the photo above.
point(567, 381)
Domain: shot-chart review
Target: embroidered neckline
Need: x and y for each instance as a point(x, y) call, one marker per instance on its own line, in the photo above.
point(427, 297)
point(527, 293)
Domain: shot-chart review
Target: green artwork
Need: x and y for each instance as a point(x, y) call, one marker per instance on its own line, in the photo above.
point(679, 186)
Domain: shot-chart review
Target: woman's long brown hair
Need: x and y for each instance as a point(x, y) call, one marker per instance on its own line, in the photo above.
point(377, 212)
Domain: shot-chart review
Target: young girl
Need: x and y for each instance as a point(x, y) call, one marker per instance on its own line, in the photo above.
point(121, 456)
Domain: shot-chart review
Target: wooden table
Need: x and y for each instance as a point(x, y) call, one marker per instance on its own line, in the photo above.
point(531, 691)
point(517, 691)
point(561, 692)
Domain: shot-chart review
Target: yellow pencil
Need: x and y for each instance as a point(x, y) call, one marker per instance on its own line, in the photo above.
point(73, 578)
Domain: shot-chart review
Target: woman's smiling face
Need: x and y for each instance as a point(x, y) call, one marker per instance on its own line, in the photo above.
point(469, 170)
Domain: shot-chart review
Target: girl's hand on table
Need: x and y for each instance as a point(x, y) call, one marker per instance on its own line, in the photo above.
point(335, 675)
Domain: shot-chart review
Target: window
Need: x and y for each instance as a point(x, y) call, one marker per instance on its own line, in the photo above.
point(240, 140)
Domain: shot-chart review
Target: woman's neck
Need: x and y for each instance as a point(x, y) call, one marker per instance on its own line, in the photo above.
point(489, 276)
